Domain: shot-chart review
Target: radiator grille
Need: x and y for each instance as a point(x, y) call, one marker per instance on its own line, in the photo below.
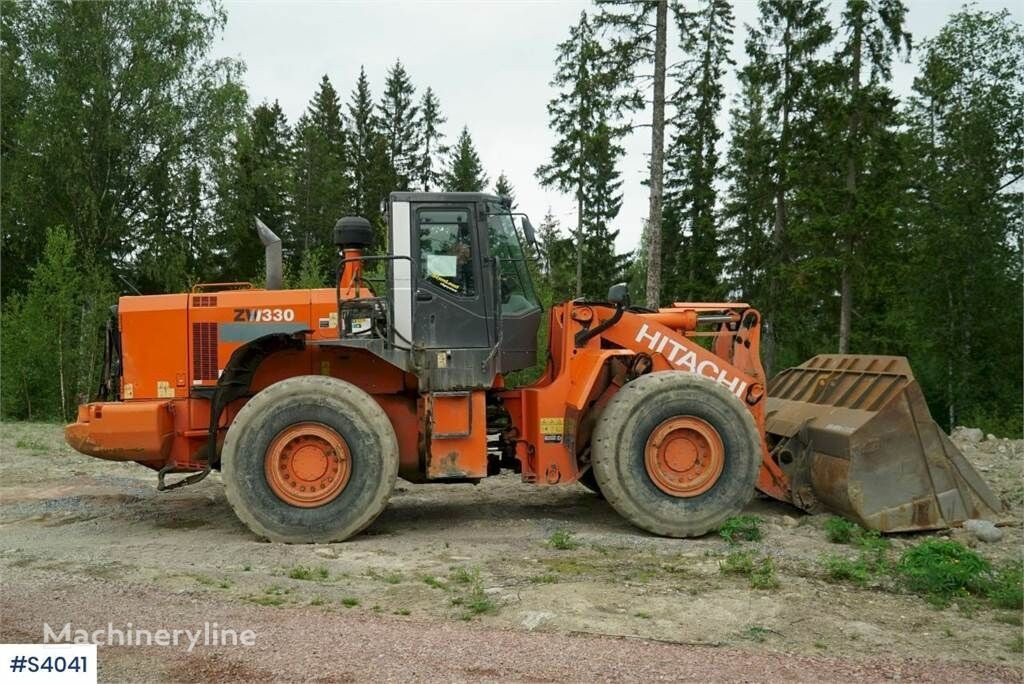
point(204, 300)
point(204, 351)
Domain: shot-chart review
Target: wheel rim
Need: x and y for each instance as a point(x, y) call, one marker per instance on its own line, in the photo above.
point(684, 456)
point(308, 465)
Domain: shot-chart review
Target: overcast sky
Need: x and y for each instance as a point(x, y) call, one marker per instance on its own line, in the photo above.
point(490, 64)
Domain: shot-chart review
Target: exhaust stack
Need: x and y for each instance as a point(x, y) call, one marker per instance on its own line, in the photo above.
point(272, 245)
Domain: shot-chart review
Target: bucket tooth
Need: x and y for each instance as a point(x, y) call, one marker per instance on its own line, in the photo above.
point(854, 435)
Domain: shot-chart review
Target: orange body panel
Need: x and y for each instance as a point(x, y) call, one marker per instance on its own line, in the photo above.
point(175, 348)
point(457, 429)
point(153, 331)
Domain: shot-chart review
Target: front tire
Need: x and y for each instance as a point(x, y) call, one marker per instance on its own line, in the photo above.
point(309, 459)
point(676, 454)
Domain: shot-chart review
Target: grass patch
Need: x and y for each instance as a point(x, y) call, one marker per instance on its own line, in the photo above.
point(761, 572)
point(546, 578)
point(841, 531)
point(737, 563)
point(1006, 587)
point(839, 569)
point(266, 600)
point(642, 615)
point(463, 575)
point(434, 582)
point(741, 528)
point(758, 633)
point(941, 570)
point(388, 577)
point(763, 576)
point(1017, 645)
point(474, 600)
point(317, 601)
point(302, 572)
point(403, 611)
point(563, 540)
point(31, 444)
point(1010, 619)
point(350, 601)
point(274, 595)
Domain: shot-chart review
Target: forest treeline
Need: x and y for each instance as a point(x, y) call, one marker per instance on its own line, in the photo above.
point(856, 218)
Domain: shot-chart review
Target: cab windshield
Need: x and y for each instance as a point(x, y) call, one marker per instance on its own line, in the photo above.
point(517, 295)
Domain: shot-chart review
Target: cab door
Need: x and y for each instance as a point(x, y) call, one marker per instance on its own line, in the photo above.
point(450, 306)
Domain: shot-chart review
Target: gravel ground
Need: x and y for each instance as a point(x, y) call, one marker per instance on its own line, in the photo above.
point(459, 582)
point(315, 645)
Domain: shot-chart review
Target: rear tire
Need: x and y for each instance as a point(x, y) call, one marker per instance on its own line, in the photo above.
point(313, 415)
point(636, 418)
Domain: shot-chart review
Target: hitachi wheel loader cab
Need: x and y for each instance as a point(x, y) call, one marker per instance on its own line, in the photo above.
point(312, 402)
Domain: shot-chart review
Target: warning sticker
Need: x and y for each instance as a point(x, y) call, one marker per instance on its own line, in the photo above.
point(552, 428)
point(164, 389)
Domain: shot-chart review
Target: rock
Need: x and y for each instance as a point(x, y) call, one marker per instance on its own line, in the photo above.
point(990, 437)
point(789, 521)
point(325, 552)
point(983, 530)
point(969, 435)
point(534, 618)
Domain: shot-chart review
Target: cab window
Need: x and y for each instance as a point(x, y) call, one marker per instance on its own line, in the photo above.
point(446, 250)
point(517, 295)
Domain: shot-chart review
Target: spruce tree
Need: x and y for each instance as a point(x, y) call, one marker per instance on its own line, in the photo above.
point(557, 259)
point(691, 265)
point(638, 31)
point(503, 188)
point(874, 32)
point(749, 211)
point(603, 199)
point(320, 190)
point(399, 124)
point(369, 152)
point(786, 65)
point(431, 142)
point(963, 250)
point(254, 184)
point(581, 114)
point(465, 172)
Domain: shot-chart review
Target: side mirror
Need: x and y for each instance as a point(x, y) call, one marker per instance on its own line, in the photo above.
point(528, 231)
point(618, 294)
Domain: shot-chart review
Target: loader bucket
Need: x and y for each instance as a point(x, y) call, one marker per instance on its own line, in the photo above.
point(854, 435)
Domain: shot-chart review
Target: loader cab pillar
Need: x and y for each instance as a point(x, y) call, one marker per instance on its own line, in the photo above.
point(461, 290)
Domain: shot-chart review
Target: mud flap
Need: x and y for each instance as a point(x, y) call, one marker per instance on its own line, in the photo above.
point(854, 435)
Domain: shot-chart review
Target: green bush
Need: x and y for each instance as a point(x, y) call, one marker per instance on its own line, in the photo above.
point(840, 530)
point(562, 540)
point(941, 569)
point(741, 528)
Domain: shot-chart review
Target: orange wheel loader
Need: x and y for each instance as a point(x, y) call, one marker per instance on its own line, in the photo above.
point(312, 402)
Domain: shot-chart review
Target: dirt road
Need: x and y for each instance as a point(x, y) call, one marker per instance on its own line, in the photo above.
point(461, 582)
